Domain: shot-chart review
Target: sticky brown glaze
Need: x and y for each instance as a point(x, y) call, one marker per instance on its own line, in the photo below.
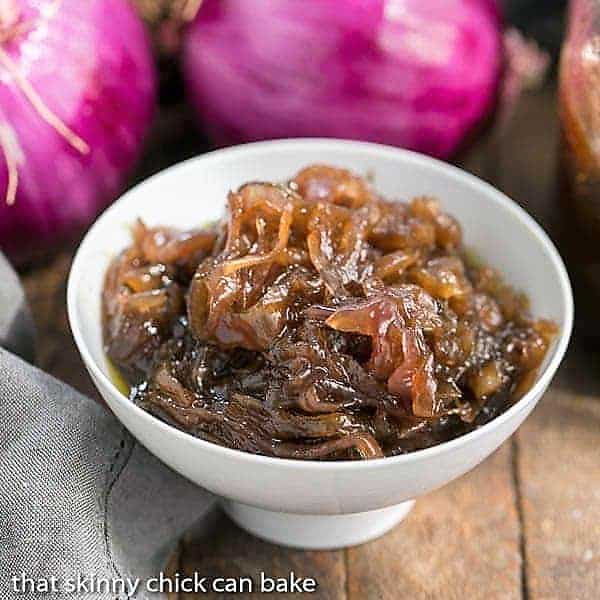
point(318, 321)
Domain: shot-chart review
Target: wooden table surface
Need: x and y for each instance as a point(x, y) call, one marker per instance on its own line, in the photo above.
point(525, 524)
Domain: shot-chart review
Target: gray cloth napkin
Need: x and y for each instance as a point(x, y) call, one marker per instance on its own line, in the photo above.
point(80, 500)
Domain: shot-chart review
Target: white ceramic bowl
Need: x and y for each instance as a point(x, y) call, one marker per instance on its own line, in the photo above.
point(311, 504)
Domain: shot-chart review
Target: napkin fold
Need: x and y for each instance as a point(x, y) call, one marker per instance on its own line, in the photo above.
point(85, 511)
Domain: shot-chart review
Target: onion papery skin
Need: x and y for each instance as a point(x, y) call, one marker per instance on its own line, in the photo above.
point(91, 63)
point(419, 74)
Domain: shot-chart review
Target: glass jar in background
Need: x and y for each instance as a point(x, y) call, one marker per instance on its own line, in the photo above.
point(579, 101)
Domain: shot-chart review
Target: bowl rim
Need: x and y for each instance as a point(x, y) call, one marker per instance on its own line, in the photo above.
point(492, 195)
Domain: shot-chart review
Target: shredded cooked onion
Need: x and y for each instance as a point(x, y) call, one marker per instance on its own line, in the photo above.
point(318, 321)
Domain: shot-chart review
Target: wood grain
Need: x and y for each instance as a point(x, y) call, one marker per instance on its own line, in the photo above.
point(559, 484)
point(227, 551)
point(459, 542)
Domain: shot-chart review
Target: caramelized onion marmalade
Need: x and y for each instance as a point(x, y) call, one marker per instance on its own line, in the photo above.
point(318, 321)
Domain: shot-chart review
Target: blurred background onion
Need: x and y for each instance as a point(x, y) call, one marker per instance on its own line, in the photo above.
point(419, 74)
point(77, 95)
point(78, 89)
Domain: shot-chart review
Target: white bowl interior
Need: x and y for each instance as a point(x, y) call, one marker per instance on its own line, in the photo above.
point(194, 193)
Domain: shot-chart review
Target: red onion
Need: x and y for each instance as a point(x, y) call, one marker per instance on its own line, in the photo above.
point(77, 93)
point(414, 73)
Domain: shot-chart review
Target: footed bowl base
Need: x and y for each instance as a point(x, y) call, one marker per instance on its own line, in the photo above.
point(316, 532)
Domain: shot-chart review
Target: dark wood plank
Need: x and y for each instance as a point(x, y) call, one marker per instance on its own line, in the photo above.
point(56, 353)
point(172, 569)
point(459, 542)
point(559, 484)
point(226, 551)
point(525, 162)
